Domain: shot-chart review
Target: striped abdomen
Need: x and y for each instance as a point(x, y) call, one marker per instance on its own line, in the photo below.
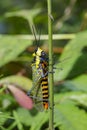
point(45, 92)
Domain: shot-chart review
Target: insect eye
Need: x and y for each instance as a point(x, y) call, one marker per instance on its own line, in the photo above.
point(43, 54)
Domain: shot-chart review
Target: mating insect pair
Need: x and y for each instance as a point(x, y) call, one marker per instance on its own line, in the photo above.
point(39, 91)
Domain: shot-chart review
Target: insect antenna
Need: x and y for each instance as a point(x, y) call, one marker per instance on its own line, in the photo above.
point(39, 34)
point(33, 29)
point(39, 37)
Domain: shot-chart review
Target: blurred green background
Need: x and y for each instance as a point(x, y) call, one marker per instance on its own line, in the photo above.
point(17, 44)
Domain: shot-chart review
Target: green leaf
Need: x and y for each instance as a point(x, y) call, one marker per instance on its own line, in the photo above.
point(67, 114)
point(3, 117)
point(77, 84)
point(63, 97)
point(81, 100)
point(24, 114)
point(69, 117)
point(11, 47)
point(19, 81)
point(73, 86)
point(19, 125)
point(27, 14)
point(75, 51)
point(42, 118)
point(76, 98)
point(31, 121)
point(81, 82)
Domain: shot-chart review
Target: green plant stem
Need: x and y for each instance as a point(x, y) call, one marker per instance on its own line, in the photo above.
point(51, 94)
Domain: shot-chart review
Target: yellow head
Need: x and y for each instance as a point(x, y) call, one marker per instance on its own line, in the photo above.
point(37, 52)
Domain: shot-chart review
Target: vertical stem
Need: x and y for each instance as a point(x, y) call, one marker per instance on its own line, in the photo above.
point(51, 94)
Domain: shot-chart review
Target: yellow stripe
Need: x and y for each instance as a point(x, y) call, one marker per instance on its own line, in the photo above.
point(44, 87)
point(44, 82)
point(45, 91)
point(45, 77)
point(45, 95)
point(37, 61)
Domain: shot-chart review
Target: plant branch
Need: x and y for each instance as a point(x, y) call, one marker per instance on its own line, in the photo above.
point(51, 94)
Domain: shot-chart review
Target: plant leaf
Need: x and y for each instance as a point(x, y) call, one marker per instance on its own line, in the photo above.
point(13, 82)
point(81, 82)
point(11, 47)
point(21, 97)
point(19, 81)
point(75, 51)
point(19, 125)
point(69, 117)
point(42, 118)
point(24, 114)
point(3, 117)
point(27, 14)
point(32, 119)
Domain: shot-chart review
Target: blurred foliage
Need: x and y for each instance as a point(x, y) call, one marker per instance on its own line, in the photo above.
point(70, 83)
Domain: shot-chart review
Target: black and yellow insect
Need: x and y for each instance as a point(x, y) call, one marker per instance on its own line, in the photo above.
point(39, 91)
